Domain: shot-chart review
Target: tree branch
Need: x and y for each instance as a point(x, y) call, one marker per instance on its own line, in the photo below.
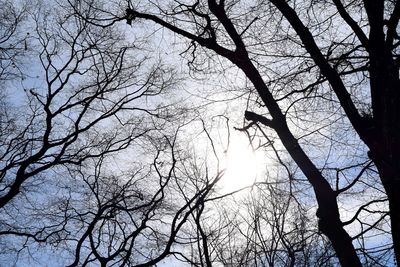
point(251, 116)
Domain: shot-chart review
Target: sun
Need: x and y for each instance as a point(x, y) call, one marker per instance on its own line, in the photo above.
point(241, 163)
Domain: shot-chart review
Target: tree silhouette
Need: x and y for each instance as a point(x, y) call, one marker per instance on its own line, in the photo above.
point(344, 52)
point(88, 154)
point(97, 155)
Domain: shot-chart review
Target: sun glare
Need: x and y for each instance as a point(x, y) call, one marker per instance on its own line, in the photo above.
point(242, 164)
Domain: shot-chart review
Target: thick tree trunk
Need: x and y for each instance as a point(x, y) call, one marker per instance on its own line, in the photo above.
point(341, 242)
point(384, 142)
point(390, 177)
point(394, 212)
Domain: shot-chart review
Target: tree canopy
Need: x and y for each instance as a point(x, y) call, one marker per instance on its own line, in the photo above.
point(118, 120)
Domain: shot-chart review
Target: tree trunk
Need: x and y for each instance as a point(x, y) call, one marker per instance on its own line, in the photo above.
point(328, 211)
point(390, 178)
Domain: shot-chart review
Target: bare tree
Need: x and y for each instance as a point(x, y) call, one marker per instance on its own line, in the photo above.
point(267, 226)
point(322, 102)
point(13, 40)
point(91, 80)
point(87, 152)
point(312, 64)
point(135, 225)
